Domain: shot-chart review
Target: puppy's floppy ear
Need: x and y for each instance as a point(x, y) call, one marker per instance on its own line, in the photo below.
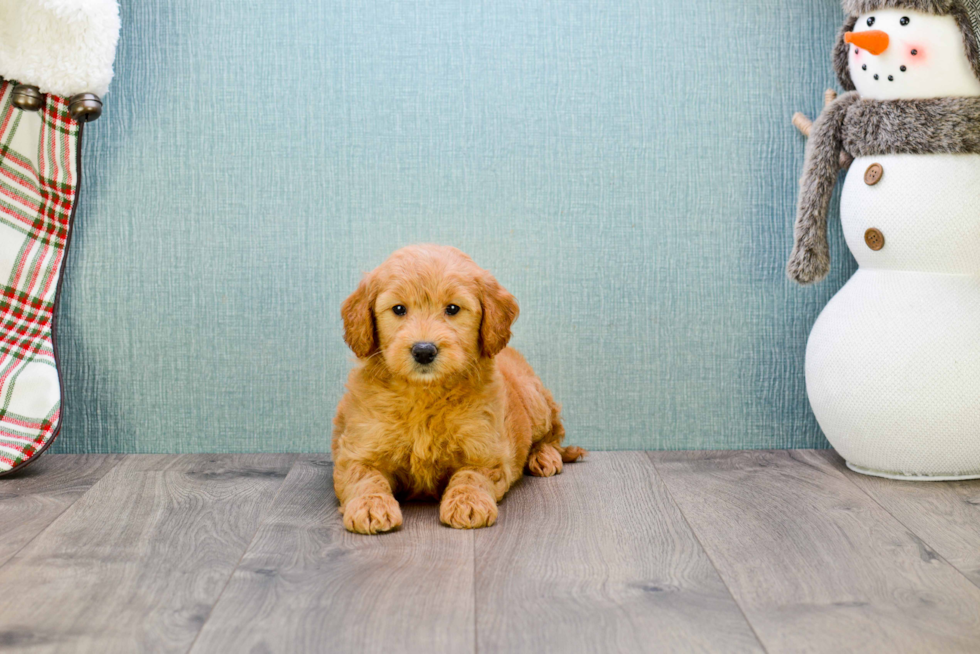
point(499, 313)
point(359, 329)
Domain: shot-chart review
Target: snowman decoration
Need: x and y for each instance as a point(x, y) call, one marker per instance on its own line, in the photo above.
point(893, 361)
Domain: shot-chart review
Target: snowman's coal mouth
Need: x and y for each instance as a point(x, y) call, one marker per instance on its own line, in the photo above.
point(877, 76)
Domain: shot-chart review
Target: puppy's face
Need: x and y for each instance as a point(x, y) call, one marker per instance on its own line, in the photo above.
point(429, 312)
point(428, 325)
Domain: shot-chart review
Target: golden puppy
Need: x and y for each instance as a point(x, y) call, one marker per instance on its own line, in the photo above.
point(438, 404)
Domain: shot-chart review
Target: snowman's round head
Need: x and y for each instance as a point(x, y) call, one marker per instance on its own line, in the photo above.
point(911, 49)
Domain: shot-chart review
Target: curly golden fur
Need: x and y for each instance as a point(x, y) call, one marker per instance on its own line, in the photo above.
point(463, 426)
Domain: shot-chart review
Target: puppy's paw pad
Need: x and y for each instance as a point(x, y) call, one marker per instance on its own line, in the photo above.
point(372, 514)
point(467, 507)
point(544, 461)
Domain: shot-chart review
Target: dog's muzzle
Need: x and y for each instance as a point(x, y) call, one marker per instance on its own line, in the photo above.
point(424, 353)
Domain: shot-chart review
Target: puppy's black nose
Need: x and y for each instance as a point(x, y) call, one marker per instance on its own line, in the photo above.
point(424, 352)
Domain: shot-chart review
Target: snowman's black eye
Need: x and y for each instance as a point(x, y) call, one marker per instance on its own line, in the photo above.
point(871, 21)
point(399, 309)
point(905, 21)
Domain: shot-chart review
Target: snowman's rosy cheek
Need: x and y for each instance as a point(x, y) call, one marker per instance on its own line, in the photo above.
point(915, 55)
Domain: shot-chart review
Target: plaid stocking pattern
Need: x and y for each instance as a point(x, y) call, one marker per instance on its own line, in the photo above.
point(39, 172)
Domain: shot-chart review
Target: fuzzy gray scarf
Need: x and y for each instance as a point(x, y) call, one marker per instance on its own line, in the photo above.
point(864, 128)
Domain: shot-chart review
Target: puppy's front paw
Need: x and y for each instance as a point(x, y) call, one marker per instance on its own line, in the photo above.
point(468, 507)
point(372, 514)
point(544, 461)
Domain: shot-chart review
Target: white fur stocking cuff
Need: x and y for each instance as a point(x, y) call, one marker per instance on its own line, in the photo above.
point(63, 47)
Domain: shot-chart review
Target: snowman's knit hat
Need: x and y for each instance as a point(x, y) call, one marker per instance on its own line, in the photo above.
point(966, 12)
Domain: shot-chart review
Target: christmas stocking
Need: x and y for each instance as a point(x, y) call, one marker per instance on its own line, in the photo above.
point(60, 53)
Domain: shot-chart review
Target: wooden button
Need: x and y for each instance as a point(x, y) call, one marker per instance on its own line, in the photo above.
point(873, 174)
point(875, 239)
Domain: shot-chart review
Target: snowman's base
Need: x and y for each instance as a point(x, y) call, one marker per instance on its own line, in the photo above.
point(902, 477)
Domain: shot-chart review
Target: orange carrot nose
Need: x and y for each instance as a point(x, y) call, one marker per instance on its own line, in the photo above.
point(874, 41)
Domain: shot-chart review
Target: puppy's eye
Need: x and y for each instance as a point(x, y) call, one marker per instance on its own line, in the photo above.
point(452, 310)
point(399, 309)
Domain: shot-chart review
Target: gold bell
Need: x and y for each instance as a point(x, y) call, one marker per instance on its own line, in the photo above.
point(28, 98)
point(85, 107)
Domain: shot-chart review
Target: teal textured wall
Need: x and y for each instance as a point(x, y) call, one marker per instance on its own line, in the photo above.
point(626, 168)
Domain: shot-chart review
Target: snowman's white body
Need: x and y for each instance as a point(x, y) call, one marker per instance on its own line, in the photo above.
point(893, 362)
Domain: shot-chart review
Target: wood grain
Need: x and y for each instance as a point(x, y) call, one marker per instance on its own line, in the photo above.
point(814, 563)
point(137, 563)
point(599, 559)
point(946, 515)
point(307, 585)
point(34, 498)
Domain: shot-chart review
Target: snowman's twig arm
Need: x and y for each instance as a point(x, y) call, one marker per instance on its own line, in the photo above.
point(810, 260)
point(804, 124)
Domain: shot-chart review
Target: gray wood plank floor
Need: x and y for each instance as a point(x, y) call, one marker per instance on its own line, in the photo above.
point(137, 562)
point(307, 585)
point(33, 499)
point(945, 515)
point(816, 563)
point(601, 561)
point(626, 552)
